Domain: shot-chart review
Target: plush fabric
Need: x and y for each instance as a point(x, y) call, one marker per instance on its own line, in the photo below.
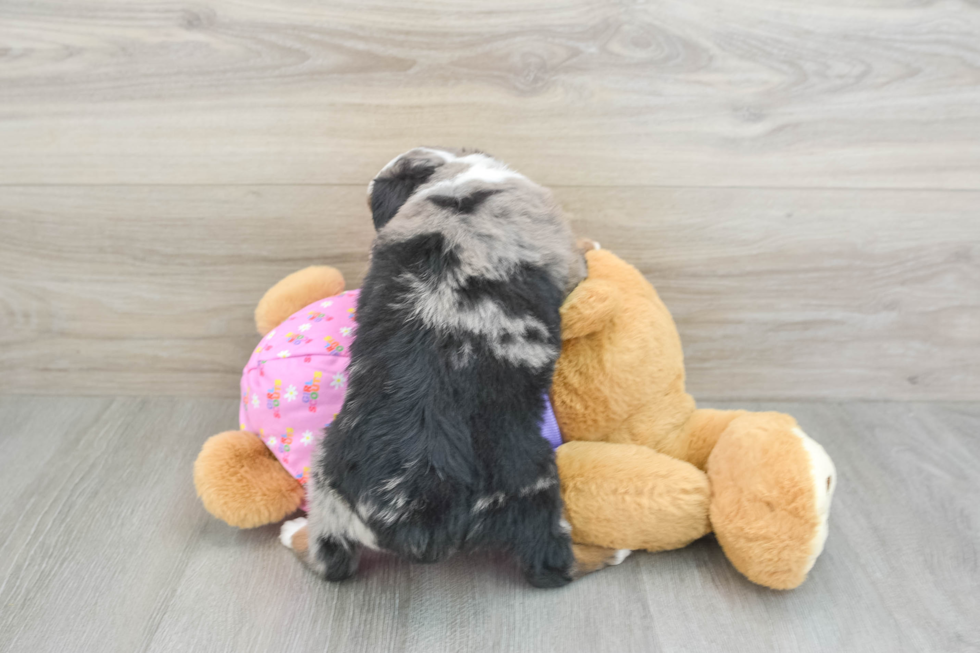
point(241, 482)
point(764, 517)
point(624, 496)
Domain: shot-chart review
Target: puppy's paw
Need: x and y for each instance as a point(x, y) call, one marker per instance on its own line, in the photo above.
point(287, 534)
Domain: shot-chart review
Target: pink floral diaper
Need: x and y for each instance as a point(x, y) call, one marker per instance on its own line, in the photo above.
point(293, 385)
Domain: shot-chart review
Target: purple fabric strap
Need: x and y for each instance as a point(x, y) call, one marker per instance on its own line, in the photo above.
point(549, 425)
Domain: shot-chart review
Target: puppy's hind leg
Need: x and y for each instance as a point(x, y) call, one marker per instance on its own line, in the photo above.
point(531, 526)
point(329, 543)
point(328, 556)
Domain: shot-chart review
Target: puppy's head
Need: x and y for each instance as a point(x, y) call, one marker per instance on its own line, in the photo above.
point(397, 181)
point(496, 219)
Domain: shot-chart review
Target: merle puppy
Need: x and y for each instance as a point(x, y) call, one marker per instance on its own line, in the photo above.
point(438, 447)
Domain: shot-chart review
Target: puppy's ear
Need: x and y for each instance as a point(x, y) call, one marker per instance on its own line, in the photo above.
point(399, 179)
point(588, 308)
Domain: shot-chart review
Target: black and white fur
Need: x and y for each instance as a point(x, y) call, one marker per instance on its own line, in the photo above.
point(438, 447)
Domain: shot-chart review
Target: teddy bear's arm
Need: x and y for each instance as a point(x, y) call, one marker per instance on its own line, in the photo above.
point(588, 308)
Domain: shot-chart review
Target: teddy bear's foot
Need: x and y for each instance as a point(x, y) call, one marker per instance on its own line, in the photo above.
point(771, 491)
point(590, 558)
point(242, 483)
point(293, 535)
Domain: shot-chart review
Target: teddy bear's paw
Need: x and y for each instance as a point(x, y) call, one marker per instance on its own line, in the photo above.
point(769, 512)
point(824, 480)
point(589, 558)
point(289, 530)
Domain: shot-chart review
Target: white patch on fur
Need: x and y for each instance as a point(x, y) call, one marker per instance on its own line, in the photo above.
point(445, 156)
point(489, 501)
point(619, 556)
point(437, 305)
point(482, 168)
point(824, 479)
point(331, 515)
point(392, 483)
point(566, 527)
point(462, 356)
point(289, 529)
point(539, 485)
point(388, 514)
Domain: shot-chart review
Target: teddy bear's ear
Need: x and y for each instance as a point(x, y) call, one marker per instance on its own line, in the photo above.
point(588, 308)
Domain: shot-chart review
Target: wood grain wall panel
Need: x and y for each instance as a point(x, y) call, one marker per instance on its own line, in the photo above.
point(777, 293)
point(761, 93)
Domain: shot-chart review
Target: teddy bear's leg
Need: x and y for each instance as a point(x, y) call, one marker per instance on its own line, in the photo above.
point(771, 491)
point(295, 291)
point(241, 482)
point(624, 496)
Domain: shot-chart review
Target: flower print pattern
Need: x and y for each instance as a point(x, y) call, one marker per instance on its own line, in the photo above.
point(307, 438)
point(255, 400)
point(346, 331)
point(333, 347)
point(304, 327)
point(316, 316)
point(296, 338)
point(290, 393)
point(338, 380)
point(283, 354)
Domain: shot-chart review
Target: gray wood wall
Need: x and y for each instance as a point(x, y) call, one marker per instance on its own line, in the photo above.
point(801, 181)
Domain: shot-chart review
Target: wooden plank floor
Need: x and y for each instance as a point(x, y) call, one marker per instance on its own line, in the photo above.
point(104, 547)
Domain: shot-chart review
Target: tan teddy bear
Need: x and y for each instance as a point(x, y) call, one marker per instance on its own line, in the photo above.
point(636, 445)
